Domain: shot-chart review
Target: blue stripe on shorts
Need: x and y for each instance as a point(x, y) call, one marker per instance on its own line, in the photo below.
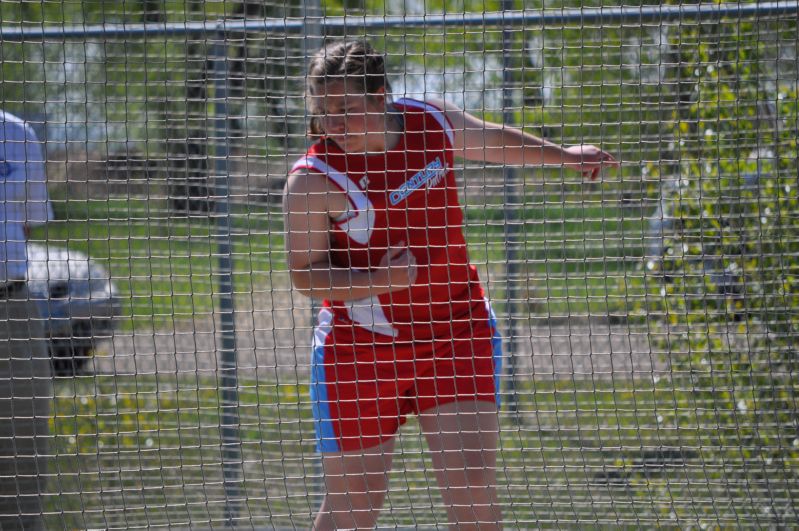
point(496, 347)
point(326, 440)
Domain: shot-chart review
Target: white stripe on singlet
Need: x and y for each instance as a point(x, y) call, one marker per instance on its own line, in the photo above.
point(435, 112)
point(359, 219)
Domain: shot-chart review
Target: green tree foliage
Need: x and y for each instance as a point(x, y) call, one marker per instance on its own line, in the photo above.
point(145, 101)
point(730, 290)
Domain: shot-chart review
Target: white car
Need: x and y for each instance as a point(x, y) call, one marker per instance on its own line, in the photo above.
point(77, 300)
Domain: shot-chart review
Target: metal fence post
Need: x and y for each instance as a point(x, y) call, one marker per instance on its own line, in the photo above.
point(313, 38)
point(227, 374)
point(511, 219)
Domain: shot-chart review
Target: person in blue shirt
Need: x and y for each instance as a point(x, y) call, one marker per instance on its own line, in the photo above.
point(25, 373)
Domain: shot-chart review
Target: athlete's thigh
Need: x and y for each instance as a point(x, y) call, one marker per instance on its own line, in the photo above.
point(463, 433)
point(360, 471)
point(462, 437)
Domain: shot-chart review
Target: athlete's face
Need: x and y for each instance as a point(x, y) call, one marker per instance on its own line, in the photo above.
point(353, 120)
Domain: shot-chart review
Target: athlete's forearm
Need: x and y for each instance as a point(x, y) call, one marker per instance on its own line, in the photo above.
point(508, 145)
point(323, 281)
point(475, 139)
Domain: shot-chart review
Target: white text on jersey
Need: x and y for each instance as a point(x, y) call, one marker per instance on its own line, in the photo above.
point(430, 176)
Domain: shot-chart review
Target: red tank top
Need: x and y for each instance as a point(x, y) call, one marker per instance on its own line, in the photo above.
point(407, 194)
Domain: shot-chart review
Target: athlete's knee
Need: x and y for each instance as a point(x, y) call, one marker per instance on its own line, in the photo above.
point(351, 510)
point(353, 501)
point(354, 480)
point(466, 472)
point(478, 512)
point(359, 494)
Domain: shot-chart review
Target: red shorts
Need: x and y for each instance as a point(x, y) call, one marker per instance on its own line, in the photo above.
point(361, 396)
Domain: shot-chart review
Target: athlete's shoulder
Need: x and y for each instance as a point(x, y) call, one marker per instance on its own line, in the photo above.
point(430, 117)
point(316, 158)
point(410, 106)
point(317, 165)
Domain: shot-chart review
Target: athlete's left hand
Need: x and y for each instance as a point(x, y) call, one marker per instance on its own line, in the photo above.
point(589, 160)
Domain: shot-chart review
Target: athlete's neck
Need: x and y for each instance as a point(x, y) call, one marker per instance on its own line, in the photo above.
point(394, 128)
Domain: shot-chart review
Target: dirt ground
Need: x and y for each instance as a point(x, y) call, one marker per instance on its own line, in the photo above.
point(273, 338)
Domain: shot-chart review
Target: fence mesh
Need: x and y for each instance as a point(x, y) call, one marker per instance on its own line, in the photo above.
point(649, 318)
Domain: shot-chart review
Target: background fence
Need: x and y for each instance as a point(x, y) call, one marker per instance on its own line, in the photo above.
point(649, 318)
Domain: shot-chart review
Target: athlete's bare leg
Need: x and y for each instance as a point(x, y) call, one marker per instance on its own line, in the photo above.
point(356, 485)
point(463, 437)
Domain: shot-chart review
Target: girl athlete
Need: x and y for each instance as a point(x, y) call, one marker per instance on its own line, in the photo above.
point(374, 229)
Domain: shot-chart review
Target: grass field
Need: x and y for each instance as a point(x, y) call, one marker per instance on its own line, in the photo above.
point(164, 266)
point(569, 259)
point(136, 451)
point(146, 450)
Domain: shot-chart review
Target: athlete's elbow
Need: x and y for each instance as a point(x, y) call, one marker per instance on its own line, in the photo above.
point(301, 281)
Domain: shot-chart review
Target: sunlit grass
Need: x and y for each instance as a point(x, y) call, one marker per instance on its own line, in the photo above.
point(168, 266)
point(565, 260)
point(140, 449)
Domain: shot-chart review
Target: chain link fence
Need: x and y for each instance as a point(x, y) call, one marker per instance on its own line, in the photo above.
point(649, 318)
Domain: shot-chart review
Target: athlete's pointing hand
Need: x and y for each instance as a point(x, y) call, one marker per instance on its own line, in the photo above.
point(589, 160)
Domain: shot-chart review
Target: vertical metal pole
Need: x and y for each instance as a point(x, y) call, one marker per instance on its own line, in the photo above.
point(312, 40)
point(511, 218)
point(312, 36)
point(227, 376)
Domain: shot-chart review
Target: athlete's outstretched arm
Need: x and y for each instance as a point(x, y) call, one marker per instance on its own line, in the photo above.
point(309, 203)
point(476, 139)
